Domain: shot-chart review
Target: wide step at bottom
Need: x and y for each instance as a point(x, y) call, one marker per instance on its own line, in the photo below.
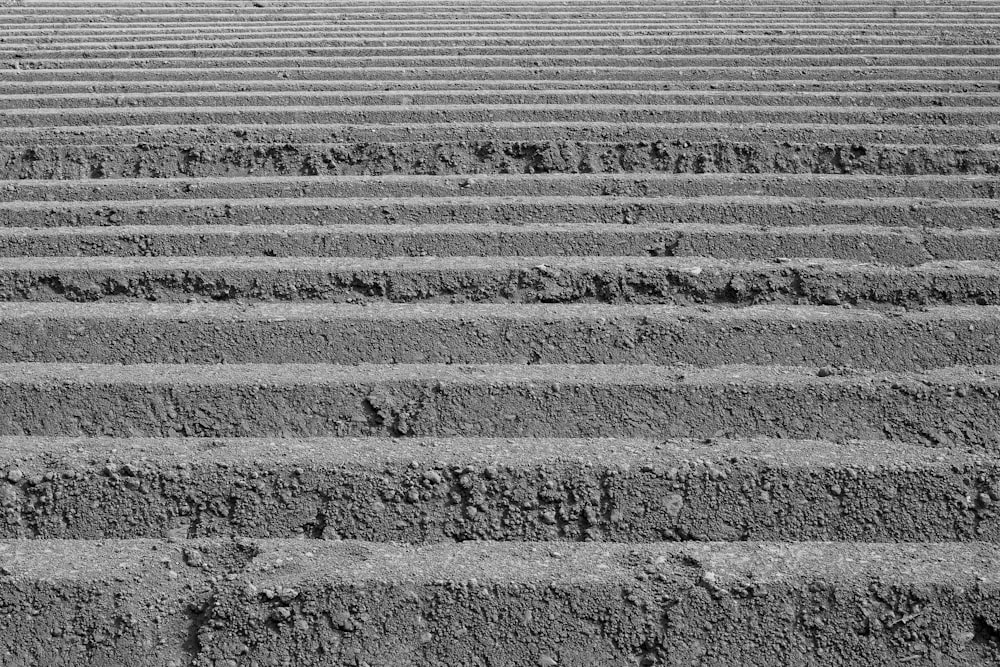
point(243, 601)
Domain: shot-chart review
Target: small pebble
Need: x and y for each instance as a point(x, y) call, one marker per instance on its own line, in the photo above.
point(14, 475)
point(831, 298)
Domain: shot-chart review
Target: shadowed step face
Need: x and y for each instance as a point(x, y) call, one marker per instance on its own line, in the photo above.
point(426, 332)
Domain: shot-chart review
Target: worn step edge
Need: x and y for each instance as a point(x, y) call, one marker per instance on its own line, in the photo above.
point(487, 14)
point(458, 489)
point(803, 189)
point(350, 20)
point(887, 117)
point(598, 25)
point(937, 217)
point(324, 28)
point(838, 53)
point(413, 67)
point(444, 16)
point(40, 36)
point(47, 48)
point(558, 72)
point(860, 243)
point(523, 150)
point(955, 406)
point(589, 6)
point(820, 337)
point(904, 102)
point(317, 603)
point(212, 58)
point(853, 139)
point(669, 280)
point(43, 89)
point(514, 22)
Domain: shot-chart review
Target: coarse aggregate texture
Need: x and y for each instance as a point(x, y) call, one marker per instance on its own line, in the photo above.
point(510, 148)
point(822, 336)
point(210, 602)
point(456, 489)
point(521, 279)
point(460, 332)
point(942, 407)
point(904, 246)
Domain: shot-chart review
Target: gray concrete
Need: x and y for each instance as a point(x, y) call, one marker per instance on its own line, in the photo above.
point(213, 602)
point(438, 332)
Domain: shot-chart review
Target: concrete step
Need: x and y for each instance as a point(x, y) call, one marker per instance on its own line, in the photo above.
point(943, 407)
point(902, 246)
point(563, 101)
point(836, 191)
point(41, 91)
point(30, 38)
point(521, 279)
point(721, 21)
point(224, 602)
point(488, 14)
point(500, 113)
point(420, 50)
point(527, 71)
point(23, 33)
point(827, 337)
point(197, 205)
point(419, 490)
point(648, 61)
point(471, 148)
point(507, 21)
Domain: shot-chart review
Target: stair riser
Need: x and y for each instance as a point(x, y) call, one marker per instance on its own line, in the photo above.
point(533, 280)
point(351, 602)
point(717, 241)
point(923, 214)
point(826, 408)
point(522, 491)
point(554, 190)
point(847, 87)
point(948, 104)
point(562, 71)
point(387, 158)
point(614, 113)
point(892, 344)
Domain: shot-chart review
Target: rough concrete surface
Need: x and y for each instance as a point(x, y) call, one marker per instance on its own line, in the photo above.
point(521, 279)
point(828, 337)
point(956, 405)
point(244, 601)
point(462, 332)
point(457, 489)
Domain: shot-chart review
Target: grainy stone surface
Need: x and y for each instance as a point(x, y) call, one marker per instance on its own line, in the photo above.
point(316, 603)
point(346, 334)
point(448, 332)
point(455, 489)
